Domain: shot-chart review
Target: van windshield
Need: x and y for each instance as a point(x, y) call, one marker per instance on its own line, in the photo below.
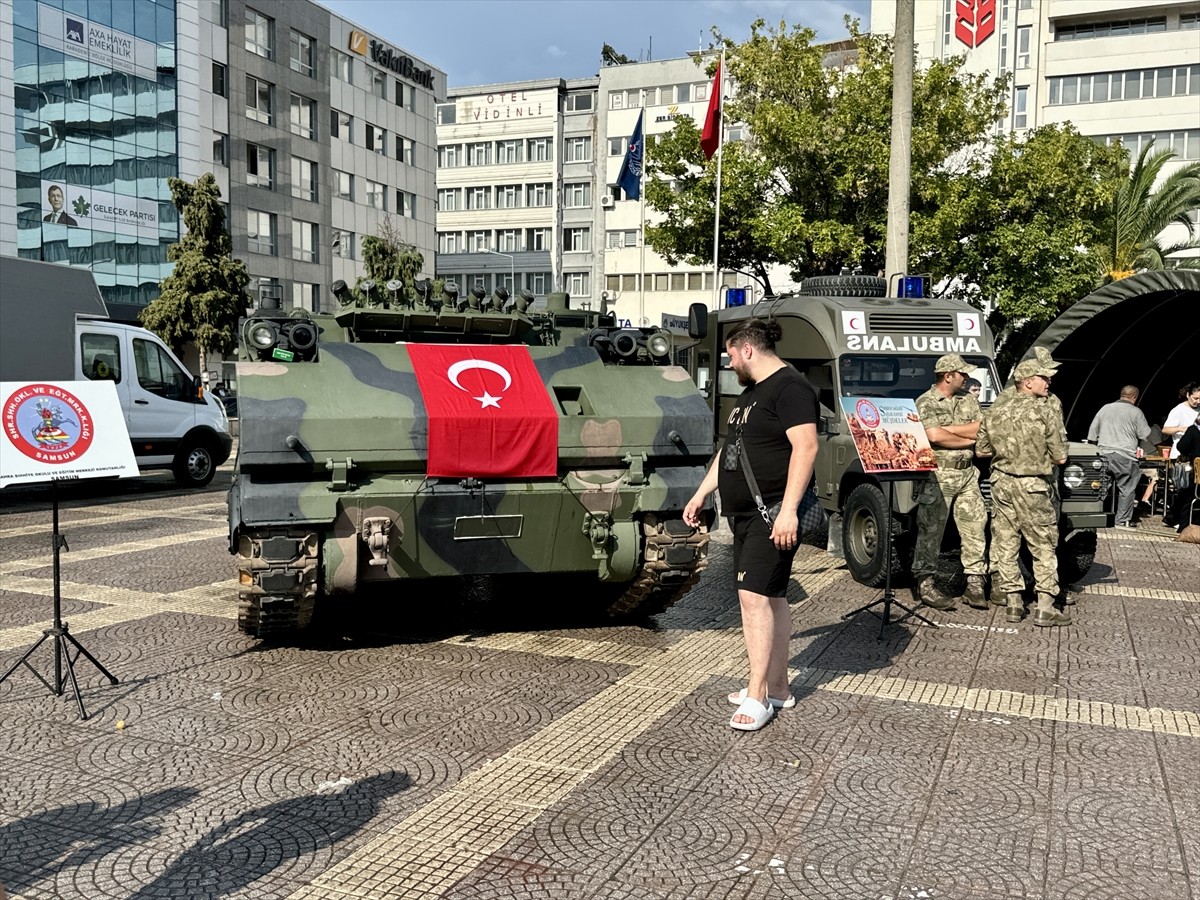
point(906, 376)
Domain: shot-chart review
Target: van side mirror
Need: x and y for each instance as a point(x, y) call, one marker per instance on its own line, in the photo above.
point(697, 321)
point(197, 389)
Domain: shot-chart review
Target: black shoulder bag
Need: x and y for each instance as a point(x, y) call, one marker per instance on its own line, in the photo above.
point(811, 515)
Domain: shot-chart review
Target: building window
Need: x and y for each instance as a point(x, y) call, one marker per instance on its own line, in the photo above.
point(581, 102)
point(448, 199)
point(508, 240)
point(447, 114)
point(303, 120)
point(220, 76)
point(406, 150)
point(343, 66)
point(450, 156)
point(304, 179)
point(1169, 81)
point(577, 239)
point(616, 100)
point(343, 185)
point(577, 283)
point(302, 50)
point(341, 126)
point(406, 98)
point(306, 296)
point(258, 34)
point(1024, 4)
point(538, 195)
point(376, 138)
point(449, 241)
point(406, 204)
point(538, 282)
point(220, 148)
point(616, 146)
point(343, 244)
point(1189, 21)
point(577, 149)
point(508, 152)
point(1081, 31)
point(260, 100)
point(618, 239)
point(577, 195)
point(478, 241)
point(538, 239)
point(376, 195)
point(479, 154)
point(1024, 33)
point(683, 93)
point(508, 196)
point(260, 232)
point(699, 92)
point(304, 241)
point(540, 150)
point(479, 198)
point(1021, 108)
point(260, 166)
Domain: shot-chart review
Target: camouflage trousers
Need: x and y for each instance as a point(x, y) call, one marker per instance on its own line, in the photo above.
point(946, 491)
point(1024, 508)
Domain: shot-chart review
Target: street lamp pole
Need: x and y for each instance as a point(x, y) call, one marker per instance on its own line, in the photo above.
point(512, 267)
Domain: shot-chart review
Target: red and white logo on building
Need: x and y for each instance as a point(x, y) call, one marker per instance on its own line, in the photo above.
point(974, 21)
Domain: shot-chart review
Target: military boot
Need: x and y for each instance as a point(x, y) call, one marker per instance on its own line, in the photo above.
point(1049, 618)
point(1014, 610)
point(927, 592)
point(974, 595)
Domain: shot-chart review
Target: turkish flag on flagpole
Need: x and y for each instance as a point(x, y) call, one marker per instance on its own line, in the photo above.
point(710, 137)
point(489, 413)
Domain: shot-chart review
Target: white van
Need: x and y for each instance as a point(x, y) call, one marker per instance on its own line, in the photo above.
point(63, 334)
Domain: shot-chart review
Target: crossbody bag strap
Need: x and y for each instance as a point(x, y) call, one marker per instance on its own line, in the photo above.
point(753, 483)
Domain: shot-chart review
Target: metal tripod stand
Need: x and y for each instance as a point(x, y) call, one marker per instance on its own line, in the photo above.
point(889, 596)
point(63, 640)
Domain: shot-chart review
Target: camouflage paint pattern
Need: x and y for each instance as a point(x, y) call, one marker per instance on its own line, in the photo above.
point(332, 448)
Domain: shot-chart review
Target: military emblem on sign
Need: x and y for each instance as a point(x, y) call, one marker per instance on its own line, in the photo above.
point(48, 424)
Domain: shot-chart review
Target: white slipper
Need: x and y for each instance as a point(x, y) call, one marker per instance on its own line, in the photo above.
point(757, 712)
point(736, 698)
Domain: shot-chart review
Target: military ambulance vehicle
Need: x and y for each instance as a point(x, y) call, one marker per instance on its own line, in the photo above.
point(400, 441)
point(852, 340)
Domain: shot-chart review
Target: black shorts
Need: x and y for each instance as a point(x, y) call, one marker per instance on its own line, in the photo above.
point(759, 566)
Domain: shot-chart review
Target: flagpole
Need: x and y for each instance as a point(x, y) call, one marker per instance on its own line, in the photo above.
point(716, 301)
point(642, 201)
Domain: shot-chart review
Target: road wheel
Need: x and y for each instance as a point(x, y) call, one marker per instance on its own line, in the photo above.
point(866, 519)
point(844, 286)
point(195, 464)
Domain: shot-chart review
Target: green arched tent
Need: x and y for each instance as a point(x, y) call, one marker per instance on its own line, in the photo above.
point(1143, 330)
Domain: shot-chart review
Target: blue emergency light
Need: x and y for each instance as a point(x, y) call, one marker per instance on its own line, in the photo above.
point(735, 297)
point(911, 287)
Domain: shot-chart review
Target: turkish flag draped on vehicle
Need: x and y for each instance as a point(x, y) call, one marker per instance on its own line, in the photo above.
point(490, 415)
point(710, 136)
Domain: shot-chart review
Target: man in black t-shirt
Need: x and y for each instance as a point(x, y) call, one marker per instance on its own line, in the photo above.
point(775, 421)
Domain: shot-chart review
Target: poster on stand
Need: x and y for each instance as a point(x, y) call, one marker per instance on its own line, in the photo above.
point(888, 435)
point(62, 431)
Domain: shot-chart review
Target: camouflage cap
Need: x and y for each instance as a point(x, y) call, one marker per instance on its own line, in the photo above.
point(952, 362)
point(1044, 357)
point(1030, 367)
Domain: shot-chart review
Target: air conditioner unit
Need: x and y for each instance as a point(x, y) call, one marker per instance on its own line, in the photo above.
point(607, 201)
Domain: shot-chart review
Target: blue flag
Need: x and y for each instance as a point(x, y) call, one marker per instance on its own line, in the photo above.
point(630, 179)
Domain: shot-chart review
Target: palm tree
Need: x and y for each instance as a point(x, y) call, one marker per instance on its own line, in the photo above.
point(1140, 213)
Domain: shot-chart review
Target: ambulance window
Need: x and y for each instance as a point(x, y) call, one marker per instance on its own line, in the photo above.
point(158, 373)
point(100, 355)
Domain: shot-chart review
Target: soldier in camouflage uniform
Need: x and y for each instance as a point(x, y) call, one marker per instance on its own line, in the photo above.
point(1024, 438)
point(951, 417)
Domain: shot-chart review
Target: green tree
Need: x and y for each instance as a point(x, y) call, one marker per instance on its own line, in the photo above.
point(1137, 213)
point(816, 157)
point(1014, 225)
point(205, 294)
point(610, 57)
point(387, 257)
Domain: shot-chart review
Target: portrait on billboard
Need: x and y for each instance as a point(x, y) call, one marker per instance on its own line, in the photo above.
point(57, 215)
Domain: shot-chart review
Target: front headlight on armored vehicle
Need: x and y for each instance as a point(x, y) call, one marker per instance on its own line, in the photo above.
point(659, 344)
point(1073, 476)
point(262, 335)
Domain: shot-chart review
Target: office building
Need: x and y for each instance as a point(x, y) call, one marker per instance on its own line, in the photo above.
point(315, 129)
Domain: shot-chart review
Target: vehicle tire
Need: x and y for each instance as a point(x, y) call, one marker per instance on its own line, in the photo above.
point(195, 463)
point(865, 520)
point(844, 286)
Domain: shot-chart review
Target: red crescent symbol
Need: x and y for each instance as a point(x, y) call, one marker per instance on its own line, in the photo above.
point(853, 319)
point(971, 324)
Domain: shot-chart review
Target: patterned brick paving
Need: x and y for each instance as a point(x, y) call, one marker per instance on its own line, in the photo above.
point(441, 752)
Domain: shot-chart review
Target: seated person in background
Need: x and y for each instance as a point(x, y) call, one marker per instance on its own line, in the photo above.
point(972, 386)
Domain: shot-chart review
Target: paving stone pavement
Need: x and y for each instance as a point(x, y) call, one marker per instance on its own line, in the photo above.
point(472, 748)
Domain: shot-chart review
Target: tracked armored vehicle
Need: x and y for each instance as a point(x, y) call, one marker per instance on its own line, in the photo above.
point(399, 441)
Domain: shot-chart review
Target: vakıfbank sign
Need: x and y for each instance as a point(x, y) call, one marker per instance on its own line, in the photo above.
point(383, 55)
point(84, 39)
